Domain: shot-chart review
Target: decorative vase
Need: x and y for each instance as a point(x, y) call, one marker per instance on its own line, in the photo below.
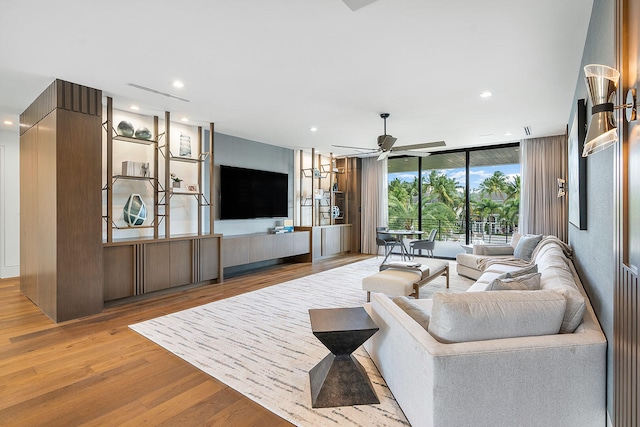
point(143, 133)
point(335, 212)
point(135, 211)
point(176, 184)
point(125, 128)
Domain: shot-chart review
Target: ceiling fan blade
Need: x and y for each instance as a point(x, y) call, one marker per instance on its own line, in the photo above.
point(383, 155)
point(357, 4)
point(421, 146)
point(385, 142)
point(395, 153)
point(355, 148)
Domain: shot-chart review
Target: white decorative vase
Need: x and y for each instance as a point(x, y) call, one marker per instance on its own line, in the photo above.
point(135, 211)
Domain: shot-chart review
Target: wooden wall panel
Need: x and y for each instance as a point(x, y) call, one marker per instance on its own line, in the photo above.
point(79, 213)
point(627, 329)
point(29, 214)
point(46, 221)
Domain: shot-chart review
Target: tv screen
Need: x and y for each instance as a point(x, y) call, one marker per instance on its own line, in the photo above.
point(251, 193)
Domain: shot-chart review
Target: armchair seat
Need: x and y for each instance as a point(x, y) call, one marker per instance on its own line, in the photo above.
point(420, 245)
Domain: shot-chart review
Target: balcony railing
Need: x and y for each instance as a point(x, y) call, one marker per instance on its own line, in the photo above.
point(455, 231)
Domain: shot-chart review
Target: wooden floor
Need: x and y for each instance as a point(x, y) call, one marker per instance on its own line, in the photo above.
point(96, 371)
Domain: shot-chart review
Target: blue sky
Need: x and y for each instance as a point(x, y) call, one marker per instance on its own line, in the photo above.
point(476, 174)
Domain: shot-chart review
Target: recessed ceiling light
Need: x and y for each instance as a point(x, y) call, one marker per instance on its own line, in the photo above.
point(178, 83)
point(508, 134)
point(134, 107)
point(8, 122)
point(486, 94)
point(313, 129)
point(184, 119)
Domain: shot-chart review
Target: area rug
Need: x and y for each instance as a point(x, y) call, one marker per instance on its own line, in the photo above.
point(260, 344)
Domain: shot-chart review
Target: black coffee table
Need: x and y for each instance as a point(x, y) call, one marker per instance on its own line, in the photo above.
point(339, 379)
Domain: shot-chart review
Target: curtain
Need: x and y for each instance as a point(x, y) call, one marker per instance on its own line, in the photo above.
point(375, 208)
point(543, 161)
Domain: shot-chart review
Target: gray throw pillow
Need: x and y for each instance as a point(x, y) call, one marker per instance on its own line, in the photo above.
point(413, 310)
point(527, 282)
point(521, 272)
point(526, 245)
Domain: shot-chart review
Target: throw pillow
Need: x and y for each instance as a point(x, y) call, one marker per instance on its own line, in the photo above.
point(526, 245)
point(413, 310)
point(521, 272)
point(527, 282)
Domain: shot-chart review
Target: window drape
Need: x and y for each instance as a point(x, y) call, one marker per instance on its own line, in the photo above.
point(375, 209)
point(543, 161)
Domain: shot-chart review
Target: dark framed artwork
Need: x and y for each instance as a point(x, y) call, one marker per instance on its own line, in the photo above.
point(578, 168)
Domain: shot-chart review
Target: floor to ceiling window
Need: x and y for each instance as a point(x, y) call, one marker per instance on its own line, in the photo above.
point(468, 196)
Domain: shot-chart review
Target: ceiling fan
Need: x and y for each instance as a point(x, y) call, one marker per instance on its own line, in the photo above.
point(357, 4)
point(386, 148)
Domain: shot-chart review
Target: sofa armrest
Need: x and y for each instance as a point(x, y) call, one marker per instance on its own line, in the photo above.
point(480, 249)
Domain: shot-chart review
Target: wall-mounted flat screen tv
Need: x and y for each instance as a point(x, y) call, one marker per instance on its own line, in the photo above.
point(251, 193)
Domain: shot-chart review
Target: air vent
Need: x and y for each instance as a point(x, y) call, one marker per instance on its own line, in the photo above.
point(527, 130)
point(157, 92)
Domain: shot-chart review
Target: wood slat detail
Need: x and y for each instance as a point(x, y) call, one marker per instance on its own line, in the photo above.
point(626, 329)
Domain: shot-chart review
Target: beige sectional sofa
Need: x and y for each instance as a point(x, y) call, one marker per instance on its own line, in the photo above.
point(467, 264)
point(496, 358)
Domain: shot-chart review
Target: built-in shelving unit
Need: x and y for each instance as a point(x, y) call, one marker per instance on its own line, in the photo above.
point(176, 253)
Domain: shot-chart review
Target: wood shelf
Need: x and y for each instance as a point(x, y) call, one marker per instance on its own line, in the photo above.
point(134, 140)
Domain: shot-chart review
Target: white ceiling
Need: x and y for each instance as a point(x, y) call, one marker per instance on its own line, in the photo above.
point(269, 70)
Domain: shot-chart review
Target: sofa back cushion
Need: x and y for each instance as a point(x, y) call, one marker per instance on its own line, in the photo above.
point(476, 316)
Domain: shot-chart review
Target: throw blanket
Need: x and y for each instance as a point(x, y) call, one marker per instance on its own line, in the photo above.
point(483, 263)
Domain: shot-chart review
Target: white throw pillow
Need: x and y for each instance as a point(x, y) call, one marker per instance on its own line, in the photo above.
point(475, 316)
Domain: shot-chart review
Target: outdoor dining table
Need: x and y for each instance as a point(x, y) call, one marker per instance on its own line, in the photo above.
point(399, 236)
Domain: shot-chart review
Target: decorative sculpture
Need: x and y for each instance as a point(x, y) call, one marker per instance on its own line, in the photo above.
point(135, 211)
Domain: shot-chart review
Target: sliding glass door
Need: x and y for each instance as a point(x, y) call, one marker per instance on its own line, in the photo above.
point(467, 196)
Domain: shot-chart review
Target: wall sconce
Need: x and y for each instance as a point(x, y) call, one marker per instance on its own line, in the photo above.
point(602, 82)
point(562, 187)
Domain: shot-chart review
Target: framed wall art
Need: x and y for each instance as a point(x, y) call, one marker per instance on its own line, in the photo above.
point(578, 168)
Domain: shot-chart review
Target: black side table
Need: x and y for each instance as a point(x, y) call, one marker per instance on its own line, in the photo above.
point(339, 379)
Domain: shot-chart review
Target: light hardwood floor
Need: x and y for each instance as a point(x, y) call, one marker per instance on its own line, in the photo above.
point(95, 371)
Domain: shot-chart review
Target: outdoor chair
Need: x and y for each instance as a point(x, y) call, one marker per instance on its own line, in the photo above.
point(425, 244)
point(387, 240)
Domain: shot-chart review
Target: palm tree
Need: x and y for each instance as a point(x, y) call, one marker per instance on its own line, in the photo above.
point(486, 208)
point(513, 188)
point(441, 188)
point(495, 184)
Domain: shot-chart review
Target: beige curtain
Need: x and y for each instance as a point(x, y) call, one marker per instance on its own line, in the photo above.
point(543, 161)
point(375, 208)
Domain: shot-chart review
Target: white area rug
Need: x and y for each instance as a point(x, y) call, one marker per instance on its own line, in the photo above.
point(260, 344)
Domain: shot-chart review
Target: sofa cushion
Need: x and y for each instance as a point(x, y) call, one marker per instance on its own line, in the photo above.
point(475, 316)
point(492, 250)
point(416, 312)
point(526, 245)
point(527, 282)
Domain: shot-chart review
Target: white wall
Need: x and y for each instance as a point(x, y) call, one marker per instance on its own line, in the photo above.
point(9, 204)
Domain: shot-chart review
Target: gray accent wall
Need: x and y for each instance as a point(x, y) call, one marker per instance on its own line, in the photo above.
point(244, 153)
point(594, 247)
